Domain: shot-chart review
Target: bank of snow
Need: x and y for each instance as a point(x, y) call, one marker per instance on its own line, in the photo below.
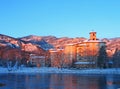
point(56, 70)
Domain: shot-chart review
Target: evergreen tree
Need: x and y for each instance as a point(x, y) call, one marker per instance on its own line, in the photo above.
point(116, 59)
point(102, 58)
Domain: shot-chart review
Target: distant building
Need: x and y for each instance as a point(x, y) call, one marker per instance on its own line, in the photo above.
point(56, 57)
point(63, 57)
point(81, 54)
point(70, 52)
point(37, 60)
point(87, 51)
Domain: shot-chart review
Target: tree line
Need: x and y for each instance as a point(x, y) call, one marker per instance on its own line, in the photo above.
point(103, 61)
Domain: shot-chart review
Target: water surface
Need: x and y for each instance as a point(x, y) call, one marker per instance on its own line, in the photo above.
point(59, 81)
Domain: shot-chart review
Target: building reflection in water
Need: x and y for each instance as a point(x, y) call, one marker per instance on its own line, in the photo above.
point(71, 81)
point(37, 81)
point(110, 82)
point(59, 81)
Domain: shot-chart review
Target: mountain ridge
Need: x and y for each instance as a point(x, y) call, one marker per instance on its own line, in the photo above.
point(36, 44)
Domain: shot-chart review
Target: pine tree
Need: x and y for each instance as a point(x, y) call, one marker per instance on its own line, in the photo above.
point(102, 58)
point(116, 59)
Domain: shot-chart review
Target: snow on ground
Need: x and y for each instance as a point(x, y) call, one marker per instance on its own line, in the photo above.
point(56, 70)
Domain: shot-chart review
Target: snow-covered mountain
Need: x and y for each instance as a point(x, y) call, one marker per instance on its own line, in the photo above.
point(17, 48)
point(111, 43)
point(39, 44)
point(38, 41)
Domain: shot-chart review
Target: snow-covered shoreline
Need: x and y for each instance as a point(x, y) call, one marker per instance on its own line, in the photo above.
point(56, 70)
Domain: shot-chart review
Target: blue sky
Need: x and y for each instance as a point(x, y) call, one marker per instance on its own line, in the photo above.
point(61, 18)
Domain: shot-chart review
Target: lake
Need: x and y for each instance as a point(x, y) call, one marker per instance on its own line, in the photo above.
point(59, 81)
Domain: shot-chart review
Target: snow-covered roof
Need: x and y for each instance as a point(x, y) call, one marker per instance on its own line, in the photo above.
point(78, 63)
point(52, 50)
point(92, 40)
point(70, 44)
point(82, 44)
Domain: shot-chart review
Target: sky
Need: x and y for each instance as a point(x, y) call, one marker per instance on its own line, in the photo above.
point(60, 18)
